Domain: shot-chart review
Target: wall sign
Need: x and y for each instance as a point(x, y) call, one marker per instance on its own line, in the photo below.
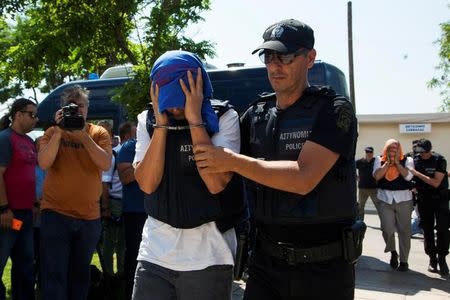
point(415, 128)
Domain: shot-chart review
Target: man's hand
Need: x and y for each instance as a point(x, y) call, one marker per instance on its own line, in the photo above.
point(388, 159)
point(161, 118)
point(6, 219)
point(213, 159)
point(80, 135)
point(194, 98)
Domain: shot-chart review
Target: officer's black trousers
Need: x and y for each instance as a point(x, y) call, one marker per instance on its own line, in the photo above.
point(271, 279)
point(434, 207)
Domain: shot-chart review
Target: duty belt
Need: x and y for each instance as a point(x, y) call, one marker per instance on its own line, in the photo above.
point(296, 255)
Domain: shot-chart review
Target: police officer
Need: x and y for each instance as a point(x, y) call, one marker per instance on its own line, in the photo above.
point(367, 186)
point(301, 146)
point(432, 187)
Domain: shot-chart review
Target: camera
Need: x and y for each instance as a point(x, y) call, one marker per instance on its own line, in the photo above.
point(71, 119)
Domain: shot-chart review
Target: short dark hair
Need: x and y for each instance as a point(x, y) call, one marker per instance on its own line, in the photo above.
point(18, 105)
point(125, 129)
point(423, 145)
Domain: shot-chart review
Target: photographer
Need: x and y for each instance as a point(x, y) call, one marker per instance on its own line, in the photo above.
point(70, 226)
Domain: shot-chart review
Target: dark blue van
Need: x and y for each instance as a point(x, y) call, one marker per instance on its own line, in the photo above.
point(243, 85)
point(240, 86)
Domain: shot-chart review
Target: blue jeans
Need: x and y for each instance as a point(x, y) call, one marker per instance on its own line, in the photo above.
point(19, 246)
point(67, 246)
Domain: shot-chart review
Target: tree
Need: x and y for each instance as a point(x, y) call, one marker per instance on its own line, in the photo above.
point(443, 81)
point(13, 6)
point(164, 30)
point(55, 41)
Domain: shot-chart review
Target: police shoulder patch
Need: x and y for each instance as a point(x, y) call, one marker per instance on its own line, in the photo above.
point(344, 114)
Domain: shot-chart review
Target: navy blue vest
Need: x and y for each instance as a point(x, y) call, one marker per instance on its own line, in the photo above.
point(280, 135)
point(182, 199)
point(398, 184)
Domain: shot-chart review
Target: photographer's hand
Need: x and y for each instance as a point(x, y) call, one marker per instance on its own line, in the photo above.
point(80, 135)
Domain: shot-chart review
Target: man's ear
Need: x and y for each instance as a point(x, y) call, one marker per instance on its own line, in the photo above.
point(311, 56)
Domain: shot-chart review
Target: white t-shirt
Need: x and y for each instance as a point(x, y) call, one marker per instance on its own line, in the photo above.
point(112, 176)
point(189, 249)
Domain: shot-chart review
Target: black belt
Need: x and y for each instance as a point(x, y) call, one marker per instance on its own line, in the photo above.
point(295, 255)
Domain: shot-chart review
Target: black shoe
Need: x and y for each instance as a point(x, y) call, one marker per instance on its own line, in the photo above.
point(394, 260)
point(433, 265)
point(443, 268)
point(403, 267)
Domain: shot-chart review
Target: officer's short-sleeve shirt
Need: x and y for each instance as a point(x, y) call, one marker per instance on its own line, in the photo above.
point(335, 127)
point(428, 167)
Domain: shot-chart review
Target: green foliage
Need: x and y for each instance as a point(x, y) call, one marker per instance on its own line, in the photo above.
point(443, 80)
point(13, 6)
point(164, 30)
point(54, 41)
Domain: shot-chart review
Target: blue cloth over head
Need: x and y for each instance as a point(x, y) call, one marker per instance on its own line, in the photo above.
point(166, 72)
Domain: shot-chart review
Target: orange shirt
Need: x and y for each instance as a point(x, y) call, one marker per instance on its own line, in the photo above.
point(73, 184)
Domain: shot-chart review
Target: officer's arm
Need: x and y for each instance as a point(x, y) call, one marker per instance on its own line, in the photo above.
point(433, 181)
point(300, 176)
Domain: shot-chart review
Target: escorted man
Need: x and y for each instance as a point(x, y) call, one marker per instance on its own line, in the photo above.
point(188, 241)
point(432, 188)
point(301, 141)
point(392, 172)
point(18, 160)
point(367, 186)
point(74, 157)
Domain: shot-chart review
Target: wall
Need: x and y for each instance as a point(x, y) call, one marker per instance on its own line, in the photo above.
point(375, 135)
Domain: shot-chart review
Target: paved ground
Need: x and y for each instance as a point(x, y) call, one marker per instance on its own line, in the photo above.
point(375, 279)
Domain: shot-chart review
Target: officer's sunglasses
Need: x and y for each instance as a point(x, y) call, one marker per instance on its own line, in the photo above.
point(267, 56)
point(30, 113)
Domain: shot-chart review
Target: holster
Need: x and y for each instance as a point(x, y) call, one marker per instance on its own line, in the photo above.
point(352, 241)
point(241, 255)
